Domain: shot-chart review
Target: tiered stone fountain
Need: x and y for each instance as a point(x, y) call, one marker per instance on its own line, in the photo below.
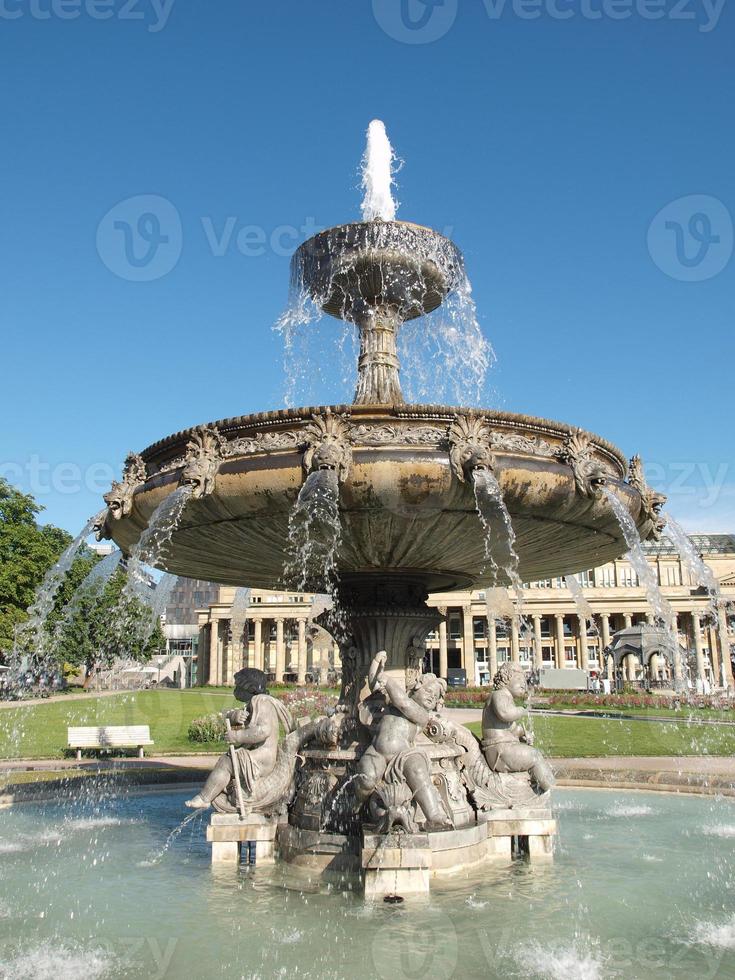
point(387, 788)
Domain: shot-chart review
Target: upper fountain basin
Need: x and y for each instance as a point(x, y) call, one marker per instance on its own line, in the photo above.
point(406, 496)
point(377, 264)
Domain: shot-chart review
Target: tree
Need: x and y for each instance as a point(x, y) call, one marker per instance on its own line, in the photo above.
point(102, 625)
point(27, 551)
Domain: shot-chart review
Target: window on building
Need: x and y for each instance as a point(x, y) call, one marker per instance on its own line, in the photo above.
point(547, 655)
point(628, 577)
point(570, 656)
point(479, 627)
point(455, 626)
point(481, 655)
point(545, 626)
point(503, 655)
point(526, 655)
point(606, 577)
point(586, 579)
point(502, 629)
point(671, 575)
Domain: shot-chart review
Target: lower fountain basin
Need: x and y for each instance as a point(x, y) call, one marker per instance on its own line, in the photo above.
point(81, 898)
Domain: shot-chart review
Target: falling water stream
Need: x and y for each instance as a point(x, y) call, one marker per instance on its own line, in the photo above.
point(584, 608)
point(646, 576)
point(700, 573)
point(238, 615)
point(314, 538)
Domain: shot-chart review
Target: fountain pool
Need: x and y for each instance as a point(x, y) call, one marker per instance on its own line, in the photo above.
point(98, 906)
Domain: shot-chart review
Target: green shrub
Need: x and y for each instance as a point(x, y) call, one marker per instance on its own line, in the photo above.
point(208, 728)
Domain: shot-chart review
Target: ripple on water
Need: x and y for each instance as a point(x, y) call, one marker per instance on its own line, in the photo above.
point(720, 935)
point(57, 963)
point(720, 830)
point(629, 810)
point(559, 963)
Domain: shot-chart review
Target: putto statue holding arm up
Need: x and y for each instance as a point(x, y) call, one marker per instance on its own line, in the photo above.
point(506, 744)
point(254, 736)
point(393, 749)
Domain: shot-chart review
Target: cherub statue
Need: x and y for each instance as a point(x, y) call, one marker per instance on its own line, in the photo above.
point(506, 744)
point(395, 732)
point(253, 741)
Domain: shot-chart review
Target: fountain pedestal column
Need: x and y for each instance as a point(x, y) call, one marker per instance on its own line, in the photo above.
point(378, 365)
point(380, 611)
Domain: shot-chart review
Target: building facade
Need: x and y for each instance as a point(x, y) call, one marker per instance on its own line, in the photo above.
point(480, 631)
point(278, 636)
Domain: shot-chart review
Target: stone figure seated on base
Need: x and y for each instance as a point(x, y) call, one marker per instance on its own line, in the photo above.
point(506, 744)
point(254, 745)
point(398, 720)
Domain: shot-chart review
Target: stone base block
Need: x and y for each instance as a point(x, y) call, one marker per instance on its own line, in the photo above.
point(380, 882)
point(534, 829)
point(540, 848)
point(396, 866)
point(227, 833)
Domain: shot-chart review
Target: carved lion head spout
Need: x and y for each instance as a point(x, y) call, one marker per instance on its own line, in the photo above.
point(469, 446)
point(652, 501)
point(204, 453)
point(119, 498)
point(328, 446)
point(578, 453)
point(101, 527)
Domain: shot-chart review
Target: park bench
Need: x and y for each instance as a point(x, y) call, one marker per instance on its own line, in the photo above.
point(109, 737)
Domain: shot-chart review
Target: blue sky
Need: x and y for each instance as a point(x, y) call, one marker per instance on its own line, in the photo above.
point(549, 146)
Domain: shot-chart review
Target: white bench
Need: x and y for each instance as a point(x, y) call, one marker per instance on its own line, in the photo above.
point(109, 737)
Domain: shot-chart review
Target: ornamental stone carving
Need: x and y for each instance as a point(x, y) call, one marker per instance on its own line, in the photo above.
point(328, 445)
point(578, 453)
point(204, 453)
point(653, 501)
point(119, 498)
point(469, 446)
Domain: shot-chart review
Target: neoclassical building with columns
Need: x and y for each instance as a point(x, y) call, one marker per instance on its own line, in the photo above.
point(480, 631)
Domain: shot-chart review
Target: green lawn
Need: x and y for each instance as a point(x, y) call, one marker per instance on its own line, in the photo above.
point(570, 737)
point(39, 731)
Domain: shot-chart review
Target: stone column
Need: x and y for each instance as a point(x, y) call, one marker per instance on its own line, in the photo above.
point(302, 651)
point(605, 623)
point(698, 644)
point(560, 657)
point(492, 646)
point(258, 643)
point(727, 678)
point(515, 641)
point(443, 655)
point(228, 651)
point(678, 675)
point(714, 654)
point(280, 651)
point(214, 671)
point(628, 620)
point(582, 659)
point(468, 645)
point(538, 645)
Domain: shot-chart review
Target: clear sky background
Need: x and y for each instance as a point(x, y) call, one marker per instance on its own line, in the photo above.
point(548, 146)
